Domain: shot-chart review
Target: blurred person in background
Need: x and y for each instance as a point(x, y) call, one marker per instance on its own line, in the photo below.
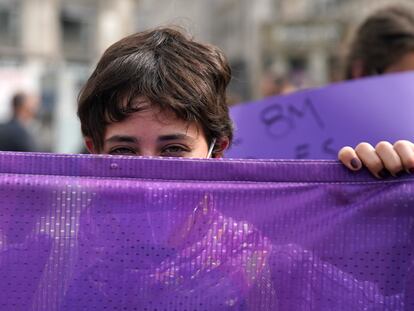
point(15, 135)
point(273, 84)
point(383, 43)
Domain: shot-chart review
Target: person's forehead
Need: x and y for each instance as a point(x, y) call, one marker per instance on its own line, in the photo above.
point(152, 123)
point(151, 111)
point(155, 115)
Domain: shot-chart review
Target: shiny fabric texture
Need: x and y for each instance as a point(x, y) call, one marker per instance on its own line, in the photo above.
point(84, 232)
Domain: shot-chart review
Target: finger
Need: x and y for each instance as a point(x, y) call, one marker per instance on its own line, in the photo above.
point(389, 157)
point(367, 154)
point(349, 158)
point(405, 150)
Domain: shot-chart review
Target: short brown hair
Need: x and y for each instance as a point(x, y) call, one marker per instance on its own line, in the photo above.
point(381, 40)
point(18, 101)
point(168, 68)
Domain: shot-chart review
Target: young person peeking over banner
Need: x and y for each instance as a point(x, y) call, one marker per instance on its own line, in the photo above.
point(160, 93)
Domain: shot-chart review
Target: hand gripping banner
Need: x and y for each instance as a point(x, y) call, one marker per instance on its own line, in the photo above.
point(124, 233)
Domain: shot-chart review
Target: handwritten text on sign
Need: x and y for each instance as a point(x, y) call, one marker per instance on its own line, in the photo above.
point(315, 124)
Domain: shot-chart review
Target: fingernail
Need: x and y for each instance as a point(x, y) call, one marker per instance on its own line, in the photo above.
point(384, 173)
point(355, 163)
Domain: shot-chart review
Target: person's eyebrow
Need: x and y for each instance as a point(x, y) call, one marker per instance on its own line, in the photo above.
point(122, 139)
point(177, 136)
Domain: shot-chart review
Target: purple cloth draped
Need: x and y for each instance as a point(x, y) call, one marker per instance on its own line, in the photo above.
point(123, 233)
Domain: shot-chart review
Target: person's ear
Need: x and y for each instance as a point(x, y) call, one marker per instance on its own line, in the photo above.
point(221, 147)
point(89, 145)
point(357, 69)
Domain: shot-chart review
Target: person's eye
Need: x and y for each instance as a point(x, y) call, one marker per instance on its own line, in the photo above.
point(122, 151)
point(174, 151)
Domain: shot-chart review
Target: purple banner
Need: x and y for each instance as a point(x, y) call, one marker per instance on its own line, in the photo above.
point(124, 233)
point(316, 123)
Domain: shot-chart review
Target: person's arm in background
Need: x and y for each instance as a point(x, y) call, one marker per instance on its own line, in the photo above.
point(383, 160)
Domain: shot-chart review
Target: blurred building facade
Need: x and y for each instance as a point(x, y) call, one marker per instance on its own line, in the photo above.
point(51, 46)
point(309, 38)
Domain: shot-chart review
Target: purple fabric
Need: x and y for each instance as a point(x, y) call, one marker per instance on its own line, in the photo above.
point(316, 123)
point(123, 233)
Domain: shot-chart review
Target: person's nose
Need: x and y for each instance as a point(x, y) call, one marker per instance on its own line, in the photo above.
point(148, 152)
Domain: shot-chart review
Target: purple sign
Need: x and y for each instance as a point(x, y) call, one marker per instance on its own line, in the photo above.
point(316, 123)
point(125, 233)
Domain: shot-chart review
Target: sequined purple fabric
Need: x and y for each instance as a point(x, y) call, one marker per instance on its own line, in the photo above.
point(119, 233)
